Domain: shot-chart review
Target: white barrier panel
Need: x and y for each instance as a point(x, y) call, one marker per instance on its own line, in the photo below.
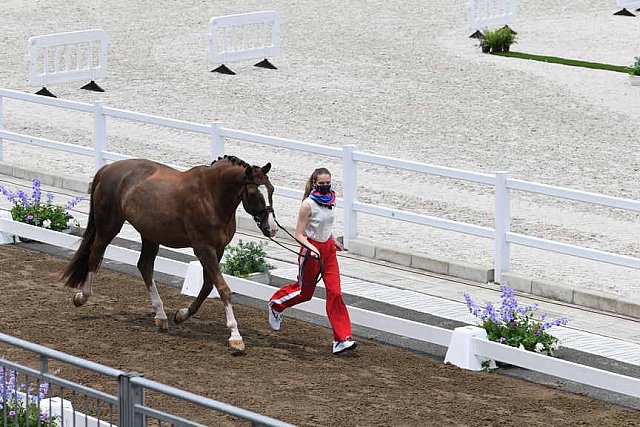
point(67, 57)
point(484, 14)
point(193, 281)
point(624, 4)
point(245, 36)
point(628, 3)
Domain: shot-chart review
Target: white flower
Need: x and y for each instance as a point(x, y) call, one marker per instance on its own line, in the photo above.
point(46, 223)
point(539, 347)
point(521, 347)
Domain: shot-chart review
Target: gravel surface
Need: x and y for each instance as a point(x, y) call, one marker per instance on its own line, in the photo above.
point(399, 79)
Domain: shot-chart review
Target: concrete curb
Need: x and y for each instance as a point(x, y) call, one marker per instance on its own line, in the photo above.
point(629, 306)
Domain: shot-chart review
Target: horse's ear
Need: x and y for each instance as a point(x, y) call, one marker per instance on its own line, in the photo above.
point(266, 168)
point(248, 170)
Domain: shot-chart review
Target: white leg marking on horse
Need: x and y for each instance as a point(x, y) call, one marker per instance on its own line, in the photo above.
point(156, 301)
point(83, 296)
point(231, 323)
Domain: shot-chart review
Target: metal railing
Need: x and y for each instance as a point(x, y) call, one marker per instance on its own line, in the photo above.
point(127, 408)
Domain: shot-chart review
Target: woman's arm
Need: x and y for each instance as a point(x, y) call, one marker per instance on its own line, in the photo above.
point(303, 217)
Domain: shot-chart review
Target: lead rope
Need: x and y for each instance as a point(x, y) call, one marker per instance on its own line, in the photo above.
point(298, 253)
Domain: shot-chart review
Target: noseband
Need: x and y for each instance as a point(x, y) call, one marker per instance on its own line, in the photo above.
point(261, 216)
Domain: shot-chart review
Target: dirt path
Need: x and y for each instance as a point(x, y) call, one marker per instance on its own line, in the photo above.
point(291, 375)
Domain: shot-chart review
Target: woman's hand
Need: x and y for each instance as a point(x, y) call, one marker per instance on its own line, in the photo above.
point(339, 246)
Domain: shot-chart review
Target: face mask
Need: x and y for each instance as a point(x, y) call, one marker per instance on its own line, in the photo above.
point(323, 189)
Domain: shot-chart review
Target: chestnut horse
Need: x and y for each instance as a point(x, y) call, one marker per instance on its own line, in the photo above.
point(195, 208)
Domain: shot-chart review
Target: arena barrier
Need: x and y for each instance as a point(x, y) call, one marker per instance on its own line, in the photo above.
point(67, 57)
point(470, 347)
point(242, 37)
point(484, 14)
point(467, 347)
point(624, 4)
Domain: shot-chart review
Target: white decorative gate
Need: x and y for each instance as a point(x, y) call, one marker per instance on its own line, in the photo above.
point(245, 36)
point(484, 14)
point(68, 57)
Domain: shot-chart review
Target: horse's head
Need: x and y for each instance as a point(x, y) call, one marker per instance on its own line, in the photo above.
point(257, 198)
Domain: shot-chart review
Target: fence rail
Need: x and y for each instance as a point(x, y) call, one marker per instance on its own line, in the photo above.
point(499, 185)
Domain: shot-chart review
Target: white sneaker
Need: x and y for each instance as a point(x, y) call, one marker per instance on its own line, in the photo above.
point(340, 346)
point(275, 318)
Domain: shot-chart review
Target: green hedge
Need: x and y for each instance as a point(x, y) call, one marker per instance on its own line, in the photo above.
point(564, 61)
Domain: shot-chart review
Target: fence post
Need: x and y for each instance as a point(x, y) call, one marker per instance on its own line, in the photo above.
point(350, 194)
point(44, 364)
point(1, 128)
point(502, 226)
point(217, 141)
point(99, 133)
point(128, 396)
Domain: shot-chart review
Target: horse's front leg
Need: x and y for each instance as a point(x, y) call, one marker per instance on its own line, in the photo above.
point(212, 274)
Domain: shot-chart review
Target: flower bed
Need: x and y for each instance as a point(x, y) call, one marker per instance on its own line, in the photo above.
point(516, 326)
point(31, 209)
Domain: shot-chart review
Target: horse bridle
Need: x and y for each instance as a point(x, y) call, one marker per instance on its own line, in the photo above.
point(261, 216)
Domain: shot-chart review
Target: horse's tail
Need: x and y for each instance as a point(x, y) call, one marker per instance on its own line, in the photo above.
point(76, 271)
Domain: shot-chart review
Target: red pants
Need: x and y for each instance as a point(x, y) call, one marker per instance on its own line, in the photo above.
point(303, 289)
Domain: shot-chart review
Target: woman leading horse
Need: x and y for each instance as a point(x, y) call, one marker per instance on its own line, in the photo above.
point(195, 208)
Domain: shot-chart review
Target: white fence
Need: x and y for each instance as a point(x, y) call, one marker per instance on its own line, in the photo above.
point(67, 57)
point(499, 184)
point(245, 36)
point(485, 14)
point(480, 348)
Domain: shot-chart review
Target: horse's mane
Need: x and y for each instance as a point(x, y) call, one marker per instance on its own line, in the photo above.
point(233, 160)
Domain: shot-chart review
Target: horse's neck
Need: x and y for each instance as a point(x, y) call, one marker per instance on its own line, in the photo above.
point(225, 187)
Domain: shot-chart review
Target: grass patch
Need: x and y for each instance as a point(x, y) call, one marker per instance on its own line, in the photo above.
point(564, 61)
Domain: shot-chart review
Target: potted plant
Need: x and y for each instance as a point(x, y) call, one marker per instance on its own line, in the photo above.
point(515, 326)
point(634, 78)
point(32, 209)
point(247, 260)
point(499, 40)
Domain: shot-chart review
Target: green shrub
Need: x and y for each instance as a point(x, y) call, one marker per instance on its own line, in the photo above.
point(635, 68)
point(245, 258)
point(498, 40)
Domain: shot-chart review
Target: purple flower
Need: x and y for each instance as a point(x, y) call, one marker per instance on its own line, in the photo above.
point(71, 203)
point(49, 197)
point(473, 307)
point(502, 340)
point(37, 193)
point(489, 313)
point(12, 413)
point(29, 218)
point(23, 198)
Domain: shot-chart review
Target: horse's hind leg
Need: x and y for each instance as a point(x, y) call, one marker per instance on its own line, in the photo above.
point(145, 265)
point(104, 236)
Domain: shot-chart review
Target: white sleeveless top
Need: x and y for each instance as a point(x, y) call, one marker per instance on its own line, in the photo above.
point(320, 223)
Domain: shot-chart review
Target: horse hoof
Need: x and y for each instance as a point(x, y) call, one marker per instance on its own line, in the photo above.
point(181, 315)
point(77, 299)
point(236, 347)
point(162, 325)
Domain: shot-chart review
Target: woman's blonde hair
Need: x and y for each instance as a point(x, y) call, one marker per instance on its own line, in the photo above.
point(312, 179)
